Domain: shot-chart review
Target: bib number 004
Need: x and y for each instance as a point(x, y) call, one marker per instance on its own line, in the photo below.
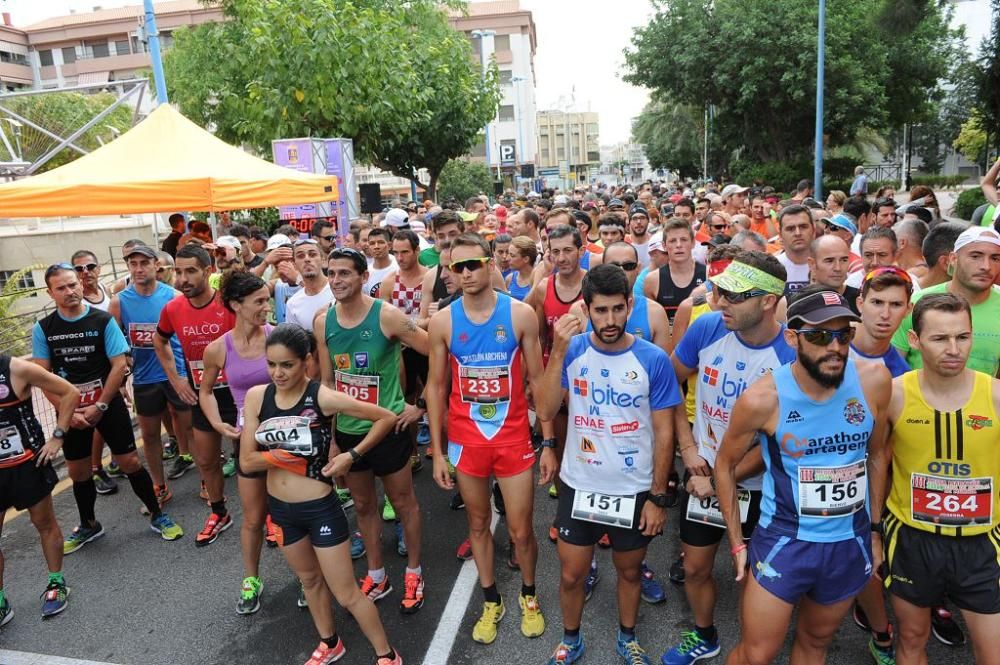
point(607, 509)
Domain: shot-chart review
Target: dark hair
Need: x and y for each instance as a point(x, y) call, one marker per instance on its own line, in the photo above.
point(287, 230)
point(622, 243)
point(804, 185)
point(605, 280)
point(544, 203)
point(794, 209)
point(318, 226)
point(764, 262)
point(57, 268)
point(923, 214)
point(239, 231)
point(883, 203)
point(257, 234)
point(610, 219)
point(355, 232)
point(724, 252)
point(199, 226)
point(580, 217)
point(380, 232)
point(686, 202)
point(350, 254)
point(237, 285)
point(883, 281)
point(197, 252)
point(133, 242)
point(79, 254)
point(472, 240)
point(557, 212)
point(176, 218)
point(877, 232)
point(501, 238)
point(564, 230)
point(857, 206)
point(940, 241)
point(530, 216)
point(407, 235)
point(446, 217)
point(471, 201)
point(293, 337)
point(939, 302)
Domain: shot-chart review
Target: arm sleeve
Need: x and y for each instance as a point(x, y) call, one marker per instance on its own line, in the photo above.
point(165, 326)
point(39, 345)
point(664, 391)
point(115, 343)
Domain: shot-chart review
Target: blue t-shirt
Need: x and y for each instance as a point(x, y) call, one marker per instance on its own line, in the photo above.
point(892, 359)
point(139, 316)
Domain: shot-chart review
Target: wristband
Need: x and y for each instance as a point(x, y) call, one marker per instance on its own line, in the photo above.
point(739, 548)
point(355, 455)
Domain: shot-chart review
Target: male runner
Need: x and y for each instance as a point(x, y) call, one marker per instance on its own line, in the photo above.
point(811, 548)
point(795, 226)
point(447, 226)
point(639, 231)
point(363, 338)
point(197, 317)
point(675, 281)
point(26, 473)
point(723, 353)
point(615, 482)
point(84, 346)
point(382, 263)
point(940, 536)
point(486, 342)
point(829, 258)
point(315, 293)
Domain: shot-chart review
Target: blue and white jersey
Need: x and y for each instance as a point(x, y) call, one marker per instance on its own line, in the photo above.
point(609, 434)
point(892, 360)
point(726, 367)
point(815, 483)
point(638, 319)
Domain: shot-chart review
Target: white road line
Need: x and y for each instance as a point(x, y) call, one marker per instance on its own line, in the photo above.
point(451, 619)
point(27, 658)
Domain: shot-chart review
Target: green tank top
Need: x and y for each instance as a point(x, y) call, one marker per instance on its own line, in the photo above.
point(365, 365)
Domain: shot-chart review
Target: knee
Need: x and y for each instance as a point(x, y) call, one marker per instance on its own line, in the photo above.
point(571, 579)
point(696, 572)
point(349, 597)
point(129, 463)
point(480, 528)
point(312, 581)
point(913, 636)
point(364, 506)
point(44, 521)
point(758, 654)
point(521, 534)
point(629, 575)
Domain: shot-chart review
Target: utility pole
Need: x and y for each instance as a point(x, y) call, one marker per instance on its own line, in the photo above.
point(153, 38)
point(820, 60)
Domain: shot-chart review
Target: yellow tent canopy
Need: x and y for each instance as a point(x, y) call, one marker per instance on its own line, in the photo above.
point(166, 163)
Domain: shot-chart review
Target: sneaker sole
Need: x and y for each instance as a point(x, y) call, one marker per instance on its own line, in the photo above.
point(412, 609)
point(203, 543)
point(653, 601)
point(174, 475)
point(382, 595)
point(7, 619)
point(47, 615)
point(359, 555)
point(710, 654)
point(96, 536)
point(252, 610)
point(940, 638)
point(106, 492)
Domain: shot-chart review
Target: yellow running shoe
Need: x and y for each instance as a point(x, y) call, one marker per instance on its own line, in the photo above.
point(532, 621)
point(485, 630)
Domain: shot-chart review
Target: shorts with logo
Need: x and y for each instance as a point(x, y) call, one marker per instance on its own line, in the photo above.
point(485, 461)
point(581, 532)
point(115, 426)
point(825, 572)
point(702, 534)
point(26, 484)
point(924, 567)
point(227, 411)
point(151, 398)
point(387, 457)
point(322, 520)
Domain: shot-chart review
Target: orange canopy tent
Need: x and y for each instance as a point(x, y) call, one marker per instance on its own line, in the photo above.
point(166, 163)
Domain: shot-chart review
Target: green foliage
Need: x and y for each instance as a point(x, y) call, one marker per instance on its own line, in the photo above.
point(266, 218)
point(63, 113)
point(967, 202)
point(971, 139)
point(937, 181)
point(401, 83)
point(14, 334)
point(461, 179)
point(674, 136)
point(987, 79)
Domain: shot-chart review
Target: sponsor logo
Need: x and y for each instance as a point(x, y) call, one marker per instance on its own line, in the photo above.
point(627, 451)
point(501, 335)
point(629, 461)
point(740, 365)
point(605, 373)
point(589, 461)
point(794, 417)
point(630, 377)
point(563, 531)
point(730, 387)
point(588, 422)
point(361, 359)
point(202, 330)
point(917, 421)
point(710, 376)
point(367, 333)
point(528, 455)
point(854, 410)
point(584, 371)
point(978, 422)
point(587, 446)
point(840, 443)
point(621, 428)
point(765, 569)
point(717, 361)
point(309, 413)
point(581, 387)
point(4, 391)
point(463, 337)
point(342, 361)
point(488, 411)
point(950, 468)
point(325, 530)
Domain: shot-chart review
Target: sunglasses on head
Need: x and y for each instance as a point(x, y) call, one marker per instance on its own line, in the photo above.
point(882, 270)
point(88, 267)
point(56, 267)
point(821, 337)
point(305, 241)
point(627, 266)
point(458, 267)
point(736, 298)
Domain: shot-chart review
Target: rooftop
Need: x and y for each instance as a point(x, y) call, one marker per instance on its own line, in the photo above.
point(119, 14)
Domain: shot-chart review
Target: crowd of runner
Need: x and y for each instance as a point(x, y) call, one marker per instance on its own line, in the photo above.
point(810, 382)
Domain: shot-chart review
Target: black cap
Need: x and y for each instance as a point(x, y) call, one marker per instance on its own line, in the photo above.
point(145, 250)
point(717, 240)
point(638, 209)
point(820, 307)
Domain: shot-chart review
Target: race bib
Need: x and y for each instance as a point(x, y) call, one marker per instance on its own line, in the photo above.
point(484, 385)
point(140, 335)
point(605, 509)
point(362, 387)
point(832, 491)
point(198, 375)
point(706, 510)
point(289, 433)
point(11, 448)
point(90, 392)
point(951, 501)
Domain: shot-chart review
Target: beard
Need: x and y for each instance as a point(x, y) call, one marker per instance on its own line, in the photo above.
point(825, 379)
point(602, 334)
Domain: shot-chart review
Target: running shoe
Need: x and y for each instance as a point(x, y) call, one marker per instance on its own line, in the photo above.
point(229, 467)
point(6, 612)
point(180, 466)
point(324, 655)
point(114, 470)
point(250, 593)
point(464, 551)
point(861, 619)
point(457, 502)
point(593, 577)
point(54, 598)
point(344, 496)
point(945, 630)
point(163, 494)
point(567, 652)
point(358, 549)
point(629, 650)
point(498, 503)
point(413, 594)
point(532, 621)
point(169, 448)
point(388, 512)
point(512, 561)
point(605, 541)
point(553, 534)
point(416, 463)
point(104, 483)
point(301, 601)
point(882, 655)
point(693, 647)
point(82, 535)
point(270, 532)
point(652, 591)
point(375, 591)
point(553, 491)
point(677, 571)
point(168, 530)
point(386, 660)
point(485, 630)
point(214, 525)
point(400, 540)
point(423, 434)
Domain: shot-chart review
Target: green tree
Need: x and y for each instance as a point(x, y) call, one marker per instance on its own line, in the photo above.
point(971, 140)
point(461, 179)
point(15, 334)
point(673, 135)
point(987, 83)
point(400, 82)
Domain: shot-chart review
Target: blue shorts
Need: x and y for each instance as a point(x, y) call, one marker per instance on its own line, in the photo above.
point(825, 572)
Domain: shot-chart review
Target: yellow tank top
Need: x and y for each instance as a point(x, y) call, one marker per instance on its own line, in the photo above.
point(945, 465)
point(696, 311)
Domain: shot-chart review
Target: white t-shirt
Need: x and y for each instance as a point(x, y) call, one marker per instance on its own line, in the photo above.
point(301, 308)
point(642, 249)
point(376, 275)
point(798, 274)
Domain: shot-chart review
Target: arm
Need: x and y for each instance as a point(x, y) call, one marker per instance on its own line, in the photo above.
point(119, 366)
point(885, 398)
point(437, 394)
point(251, 459)
point(325, 361)
point(989, 183)
point(66, 397)
point(781, 310)
point(165, 354)
point(653, 518)
point(497, 281)
point(214, 360)
point(400, 327)
point(686, 444)
point(383, 420)
point(659, 325)
point(385, 288)
point(536, 300)
point(651, 284)
point(549, 394)
point(115, 309)
point(682, 319)
point(427, 308)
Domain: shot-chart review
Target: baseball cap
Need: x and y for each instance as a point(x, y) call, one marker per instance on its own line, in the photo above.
point(145, 250)
point(977, 234)
point(842, 221)
point(717, 240)
point(228, 241)
point(278, 240)
point(616, 203)
point(729, 190)
point(820, 307)
point(418, 226)
point(638, 209)
point(396, 217)
point(655, 243)
point(741, 277)
point(467, 216)
point(561, 200)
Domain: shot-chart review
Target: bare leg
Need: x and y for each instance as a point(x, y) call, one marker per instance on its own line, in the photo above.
point(476, 493)
point(207, 446)
point(302, 560)
point(984, 628)
point(253, 499)
point(362, 486)
point(149, 427)
point(574, 564)
point(699, 582)
point(335, 563)
point(914, 629)
point(765, 620)
point(399, 488)
point(519, 495)
point(44, 518)
point(815, 629)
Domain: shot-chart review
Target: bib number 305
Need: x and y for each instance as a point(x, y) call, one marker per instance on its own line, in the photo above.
point(604, 509)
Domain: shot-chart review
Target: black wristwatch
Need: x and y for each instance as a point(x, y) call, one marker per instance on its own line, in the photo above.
point(421, 403)
point(877, 528)
point(548, 443)
point(658, 500)
point(355, 455)
point(58, 433)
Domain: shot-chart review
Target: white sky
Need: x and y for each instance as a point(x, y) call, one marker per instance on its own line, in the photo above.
point(580, 45)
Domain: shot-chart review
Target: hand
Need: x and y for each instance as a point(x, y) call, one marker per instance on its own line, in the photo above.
point(565, 328)
point(286, 270)
point(652, 519)
point(877, 556)
point(225, 429)
point(78, 421)
point(700, 486)
point(410, 415)
point(278, 255)
point(185, 391)
point(693, 462)
point(441, 475)
point(338, 466)
point(92, 415)
point(740, 564)
point(48, 452)
point(548, 466)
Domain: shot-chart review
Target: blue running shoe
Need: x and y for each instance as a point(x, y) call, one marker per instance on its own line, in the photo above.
point(423, 434)
point(54, 599)
point(693, 647)
point(567, 653)
point(652, 591)
point(357, 546)
point(630, 652)
point(400, 540)
point(590, 583)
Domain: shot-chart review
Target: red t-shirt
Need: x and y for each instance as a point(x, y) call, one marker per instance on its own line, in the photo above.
point(195, 328)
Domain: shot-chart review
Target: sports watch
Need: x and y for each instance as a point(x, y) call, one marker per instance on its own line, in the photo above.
point(421, 403)
point(658, 500)
point(101, 406)
point(58, 433)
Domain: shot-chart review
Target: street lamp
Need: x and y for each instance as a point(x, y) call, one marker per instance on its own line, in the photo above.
point(481, 35)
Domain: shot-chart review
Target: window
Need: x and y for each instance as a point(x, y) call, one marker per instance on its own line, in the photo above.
point(593, 156)
point(561, 153)
point(545, 153)
point(14, 58)
point(501, 43)
point(121, 47)
point(507, 113)
point(69, 54)
point(505, 77)
point(592, 127)
point(166, 40)
point(26, 282)
point(45, 57)
point(99, 49)
point(479, 150)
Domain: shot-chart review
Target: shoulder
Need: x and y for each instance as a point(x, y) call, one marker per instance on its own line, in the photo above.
point(874, 376)
point(650, 355)
point(761, 396)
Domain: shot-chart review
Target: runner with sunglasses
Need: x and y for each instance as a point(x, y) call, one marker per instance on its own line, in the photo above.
point(815, 418)
point(722, 353)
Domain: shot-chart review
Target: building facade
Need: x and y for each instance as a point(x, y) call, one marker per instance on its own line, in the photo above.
point(569, 141)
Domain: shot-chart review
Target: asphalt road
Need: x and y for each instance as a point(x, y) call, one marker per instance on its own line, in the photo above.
point(137, 599)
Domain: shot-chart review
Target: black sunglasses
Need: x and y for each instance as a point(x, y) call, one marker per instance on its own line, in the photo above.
point(627, 266)
point(821, 337)
point(89, 267)
point(736, 298)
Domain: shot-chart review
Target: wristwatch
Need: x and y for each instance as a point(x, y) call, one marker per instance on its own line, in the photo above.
point(421, 403)
point(877, 528)
point(101, 406)
point(658, 500)
point(58, 433)
point(355, 455)
point(548, 443)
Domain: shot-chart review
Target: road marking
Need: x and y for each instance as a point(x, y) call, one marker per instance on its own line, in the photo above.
point(27, 658)
point(454, 611)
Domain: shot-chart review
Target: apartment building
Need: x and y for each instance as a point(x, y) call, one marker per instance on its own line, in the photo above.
point(569, 141)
